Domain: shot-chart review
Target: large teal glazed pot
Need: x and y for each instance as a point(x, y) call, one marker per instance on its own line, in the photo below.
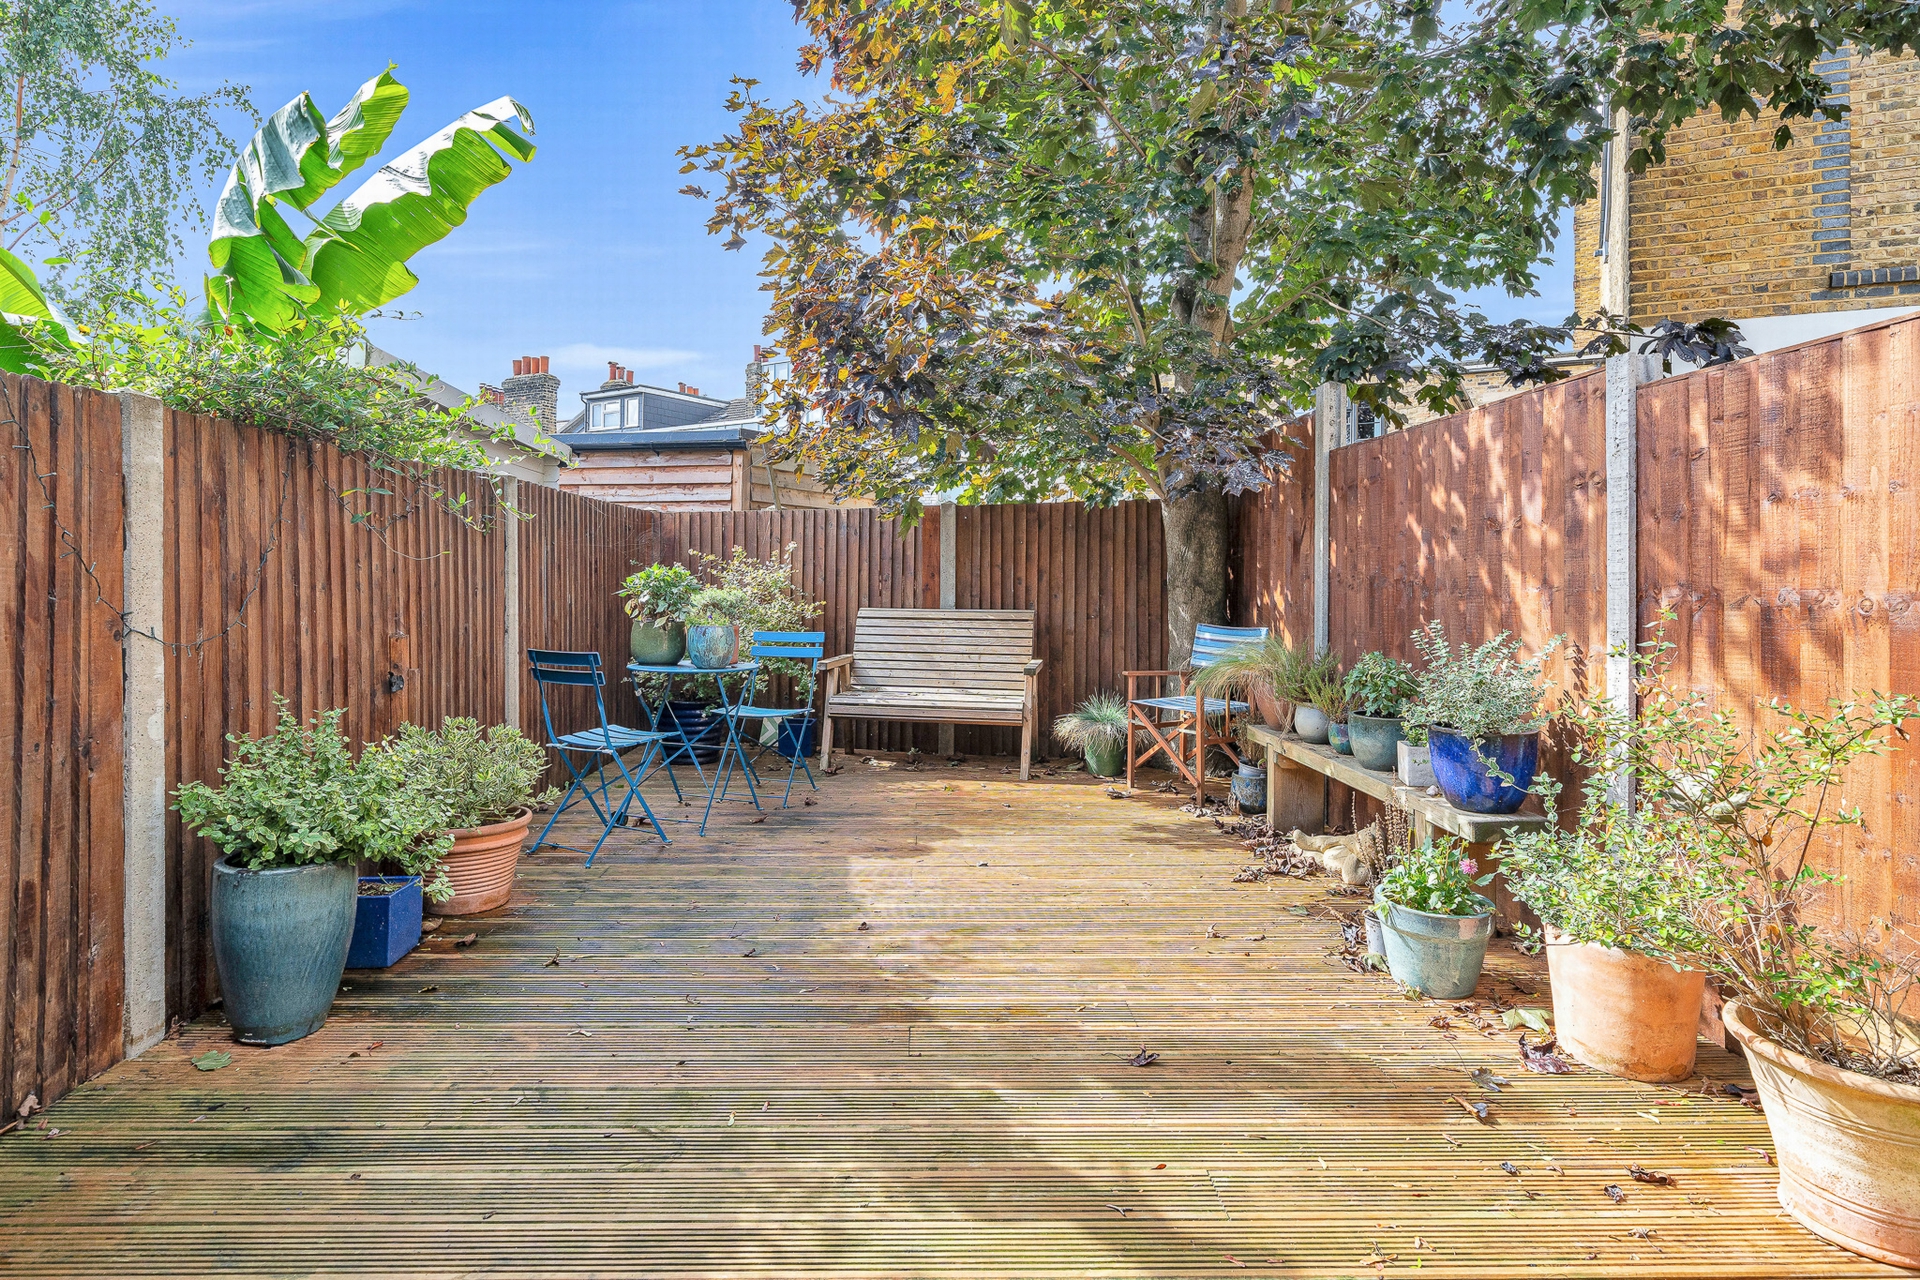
point(658, 643)
point(280, 939)
point(713, 648)
point(1440, 955)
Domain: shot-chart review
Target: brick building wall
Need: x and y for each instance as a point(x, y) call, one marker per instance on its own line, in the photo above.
point(1730, 226)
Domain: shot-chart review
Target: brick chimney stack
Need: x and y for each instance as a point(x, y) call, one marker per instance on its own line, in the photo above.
point(757, 379)
point(534, 389)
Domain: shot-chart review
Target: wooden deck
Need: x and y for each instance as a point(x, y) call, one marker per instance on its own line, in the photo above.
point(888, 1034)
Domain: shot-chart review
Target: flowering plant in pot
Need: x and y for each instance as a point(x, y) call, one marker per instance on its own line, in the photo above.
point(1269, 673)
point(657, 599)
point(294, 814)
point(1435, 921)
point(1377, 688)
point(1097, 728)
point(1480, 710)
point(483, 780)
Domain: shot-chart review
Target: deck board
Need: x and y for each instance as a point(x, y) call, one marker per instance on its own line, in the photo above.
point(943, 1092)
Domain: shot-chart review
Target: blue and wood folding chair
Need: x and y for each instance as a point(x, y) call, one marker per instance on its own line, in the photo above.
point(794, 646)
point(1190, 711)
point(603, 745)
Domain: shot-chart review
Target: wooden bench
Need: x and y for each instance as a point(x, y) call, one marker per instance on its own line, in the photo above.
point(937, 666)
point(1297, 775)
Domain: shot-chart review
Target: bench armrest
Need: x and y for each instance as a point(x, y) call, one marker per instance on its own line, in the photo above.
point(832, 673)
point(1033, 668)
point(1181, 672)
point(834, 664)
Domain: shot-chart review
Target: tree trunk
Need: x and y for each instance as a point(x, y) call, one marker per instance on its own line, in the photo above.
point(1197, 536)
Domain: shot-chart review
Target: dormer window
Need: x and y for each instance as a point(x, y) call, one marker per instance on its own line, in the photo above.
point(621, 414)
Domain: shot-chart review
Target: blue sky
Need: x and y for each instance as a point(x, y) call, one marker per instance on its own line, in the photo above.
point(587, 254)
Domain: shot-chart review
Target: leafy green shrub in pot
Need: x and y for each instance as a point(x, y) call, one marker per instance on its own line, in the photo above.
point(1378, 688)
point(1098, 730)
point(657, 599)
point(1435, 921)
point(713, 626)
point(484, 781)
point(1827, 1021)
point(1480, 710)
point(294, 814)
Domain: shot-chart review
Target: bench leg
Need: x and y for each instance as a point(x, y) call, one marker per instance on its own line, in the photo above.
point(826, 741)
point(1026, 747)
point(1296, 797)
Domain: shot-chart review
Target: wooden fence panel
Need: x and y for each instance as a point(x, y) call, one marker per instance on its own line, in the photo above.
point(274, 586)
point(62, 886)
point(1272, 561)
point(574, 552)
point(1780, 520)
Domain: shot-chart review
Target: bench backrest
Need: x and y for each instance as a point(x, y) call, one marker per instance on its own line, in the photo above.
point(1211, 642)
point(984, 649)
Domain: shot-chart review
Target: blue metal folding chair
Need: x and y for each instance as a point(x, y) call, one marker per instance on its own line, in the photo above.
point(607, 743)
point(795, 646)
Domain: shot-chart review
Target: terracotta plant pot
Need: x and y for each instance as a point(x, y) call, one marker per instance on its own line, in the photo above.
point(1848, 1146)
point(1622, 1013)
point(1275, 713)
point(481, 865)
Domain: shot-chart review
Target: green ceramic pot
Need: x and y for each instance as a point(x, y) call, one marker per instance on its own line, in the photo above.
point(1376, 741)
point(1106, 759)
point(280, 939)
point(658, 643)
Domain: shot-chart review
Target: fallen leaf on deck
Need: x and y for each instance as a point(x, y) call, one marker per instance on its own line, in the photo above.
point(808, 800)
point(553, 961)
point(1235, 1261)
point(1298, 910)
point(1115, 793)
point(143, 1146)
point(1614, 1193)
point(212, 1060)
point(1478, 1110)
point(864, 926)
point(1510, 1168)
point(31, 1105)
point(1763, 1153)
point(1542, 1057)
point(1641, 1233)
point(1160, 1166)
point(429, 989)
point(1143, 1058)
point(761, 818)
point(578, 1032)
point(1487, 1080)
point(1117, 1209)
point(466, 941)
point(752, 951)
point(1255, 937)
point(1648, 1176)
point(1530, 1016)
point(1441, 1022)
point(1649, 1115)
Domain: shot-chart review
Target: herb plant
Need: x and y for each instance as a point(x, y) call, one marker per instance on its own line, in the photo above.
point(720, 607)
point(1324, 690)
point(659, 592)
point(1482, 692)
point(1379, 686)
point(1099, 721)
point(297, 797)
point(1439, 878)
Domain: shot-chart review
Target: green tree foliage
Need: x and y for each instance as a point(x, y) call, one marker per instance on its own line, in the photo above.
point(1095, 247)
point(101, 153)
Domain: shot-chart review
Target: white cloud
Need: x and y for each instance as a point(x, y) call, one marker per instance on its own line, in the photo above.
point(589, 355)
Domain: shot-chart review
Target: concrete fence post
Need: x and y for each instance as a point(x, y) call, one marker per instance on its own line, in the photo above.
point(1329, 430)
point(949, 553)
point(144, 722)
point(1623, 376)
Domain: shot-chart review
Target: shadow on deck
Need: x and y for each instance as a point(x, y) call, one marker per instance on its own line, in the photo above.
point(888, 1033)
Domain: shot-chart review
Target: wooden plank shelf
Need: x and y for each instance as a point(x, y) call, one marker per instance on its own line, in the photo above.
point(1296, 800)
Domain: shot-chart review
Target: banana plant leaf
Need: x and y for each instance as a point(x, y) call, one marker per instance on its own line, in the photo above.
point(358, 254)
point(24, 304)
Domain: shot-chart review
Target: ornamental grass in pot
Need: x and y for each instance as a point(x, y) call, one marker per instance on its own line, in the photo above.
point(1480, 710)
point(1377, 688)
point(1097, 728)
point(1434, 920)
point(483, 782)
point(1268, 673)
point(294, 814)
point(657, 599)
point(1326, 693)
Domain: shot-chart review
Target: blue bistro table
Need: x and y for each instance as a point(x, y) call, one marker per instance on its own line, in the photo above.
point(683, 745)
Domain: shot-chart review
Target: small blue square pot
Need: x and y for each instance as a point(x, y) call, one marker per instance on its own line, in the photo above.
point(387, 925)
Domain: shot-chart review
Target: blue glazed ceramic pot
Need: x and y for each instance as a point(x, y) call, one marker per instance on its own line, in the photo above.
point(1340, 737)
point(712, 648)
point(280, 938)
point(1461, 768)
point(1249, 788)
point(1441, 955)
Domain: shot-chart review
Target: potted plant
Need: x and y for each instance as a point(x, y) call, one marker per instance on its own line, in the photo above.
point(388, 913)
point(1249, 784)
point(1827, 1022)
point(293, 815)
point(1480, 709)
point(1415, 757)
point(657, 599)
point(1322, 698)
point(1266, 672)
point(1378, 688)
point(1097, 728)
point(484, 781)
point(1434, 922)
point(713, 627)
